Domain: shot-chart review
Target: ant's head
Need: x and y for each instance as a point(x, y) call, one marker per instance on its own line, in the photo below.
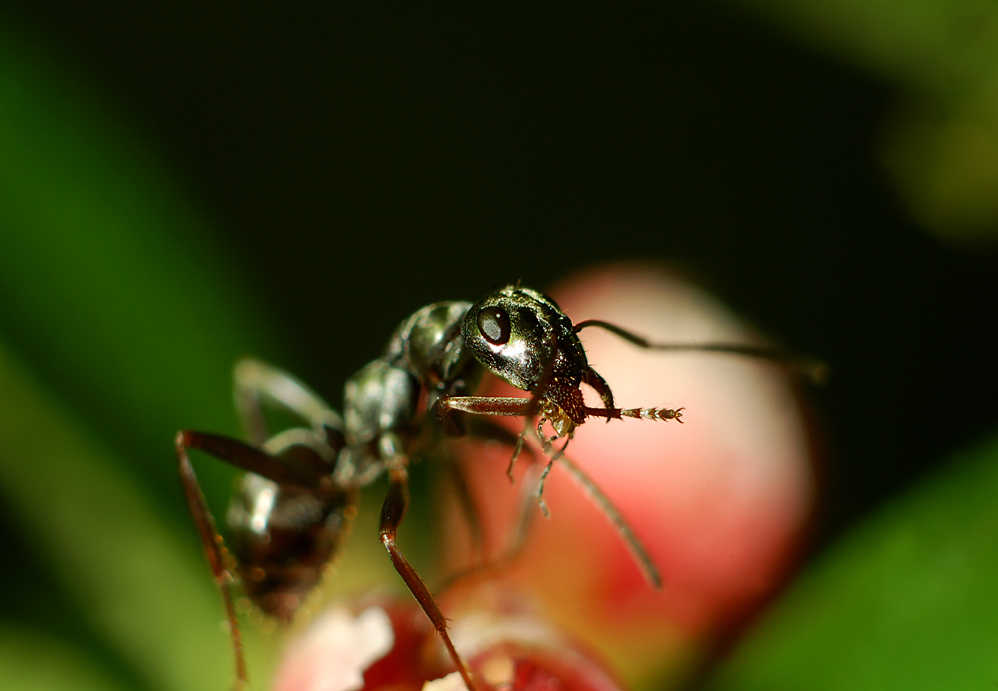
point(524, 338)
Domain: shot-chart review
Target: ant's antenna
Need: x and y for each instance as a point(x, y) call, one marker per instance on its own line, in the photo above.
point(809, 368)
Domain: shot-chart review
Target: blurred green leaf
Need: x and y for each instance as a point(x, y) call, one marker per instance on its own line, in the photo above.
point(942, 46)
point(33, 662)
point(942, 147)
point(110, 284)
point(907, 601)
point(113, 299)
point(138, 583)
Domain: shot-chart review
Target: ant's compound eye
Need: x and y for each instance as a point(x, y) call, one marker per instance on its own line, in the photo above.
point(493, 324)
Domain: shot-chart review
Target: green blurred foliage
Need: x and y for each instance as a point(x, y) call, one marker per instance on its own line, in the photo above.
point(38, 663)
point(906, 601)
point(111, 288)
point(942, 145)
point(102, 538)
point(111, 284)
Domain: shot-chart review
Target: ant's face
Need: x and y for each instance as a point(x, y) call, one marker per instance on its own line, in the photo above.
point(520, 335)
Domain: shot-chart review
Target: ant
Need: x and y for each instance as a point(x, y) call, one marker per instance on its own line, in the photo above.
point(301, 490)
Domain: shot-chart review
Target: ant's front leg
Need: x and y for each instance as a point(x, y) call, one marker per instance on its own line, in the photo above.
point(497, 405)
point(520, 407)
point(392, 513)
point(444, 409)
point(484, 405)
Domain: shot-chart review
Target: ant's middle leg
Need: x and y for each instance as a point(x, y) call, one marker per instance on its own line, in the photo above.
point(532, 488)
point(257, 383)
point(392, 513)
point(531, 492)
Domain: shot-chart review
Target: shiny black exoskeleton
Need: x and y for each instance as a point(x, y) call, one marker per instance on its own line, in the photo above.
point(300, 492)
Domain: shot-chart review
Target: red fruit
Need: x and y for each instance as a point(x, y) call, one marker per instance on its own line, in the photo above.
point(384, 645)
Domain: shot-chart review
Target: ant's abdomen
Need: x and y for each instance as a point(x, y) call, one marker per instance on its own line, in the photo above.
point(283, 540)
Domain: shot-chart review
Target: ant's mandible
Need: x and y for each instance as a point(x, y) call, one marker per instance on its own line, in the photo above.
point(300, 492)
